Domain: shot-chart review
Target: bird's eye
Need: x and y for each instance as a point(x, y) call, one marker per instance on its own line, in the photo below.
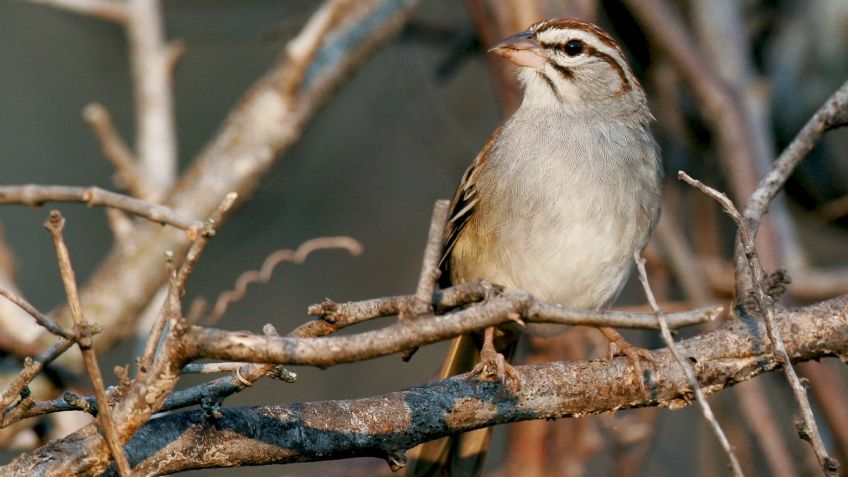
point(573, 47)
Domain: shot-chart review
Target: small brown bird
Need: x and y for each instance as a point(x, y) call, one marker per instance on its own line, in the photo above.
point(558, 201)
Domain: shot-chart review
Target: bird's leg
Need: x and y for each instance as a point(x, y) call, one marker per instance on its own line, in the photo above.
point(634, 354)
point(493, 365)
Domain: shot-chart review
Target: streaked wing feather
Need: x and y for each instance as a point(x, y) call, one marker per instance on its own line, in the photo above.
point(463, 205)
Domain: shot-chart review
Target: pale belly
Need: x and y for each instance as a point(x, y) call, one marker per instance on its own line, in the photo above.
point(579, 263)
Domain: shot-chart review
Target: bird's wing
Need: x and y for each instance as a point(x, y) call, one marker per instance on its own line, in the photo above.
point(463, 203)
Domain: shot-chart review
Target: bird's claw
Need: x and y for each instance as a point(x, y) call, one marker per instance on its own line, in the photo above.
point(493, 367)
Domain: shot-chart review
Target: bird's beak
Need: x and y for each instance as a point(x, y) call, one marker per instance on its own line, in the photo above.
point(521, 49)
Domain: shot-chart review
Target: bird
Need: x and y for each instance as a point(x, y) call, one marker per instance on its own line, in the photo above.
point(558, 203)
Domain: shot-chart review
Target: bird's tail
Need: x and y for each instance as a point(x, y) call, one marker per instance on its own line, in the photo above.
point(463, 454)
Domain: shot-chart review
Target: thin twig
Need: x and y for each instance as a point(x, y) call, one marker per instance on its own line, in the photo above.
point(808, 428)
point(32, 368)
point(115, 150)
point(665, 332)
point(280, 256)
point(423, 301)
point(39, 317)
point(211, 227)
point(54, 224)
point(110, 10)
point(35, 195)
point(166, 313)
point(214, 368)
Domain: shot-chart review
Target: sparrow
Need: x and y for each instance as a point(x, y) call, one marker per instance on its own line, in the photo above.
point(557, 203)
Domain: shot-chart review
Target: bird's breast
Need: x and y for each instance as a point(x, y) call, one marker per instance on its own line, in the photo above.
point(557, 218)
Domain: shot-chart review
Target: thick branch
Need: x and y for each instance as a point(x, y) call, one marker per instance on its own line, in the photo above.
point(156, 143)
point(390, 423)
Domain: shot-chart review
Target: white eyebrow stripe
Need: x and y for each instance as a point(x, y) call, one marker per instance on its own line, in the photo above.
point(561, 36)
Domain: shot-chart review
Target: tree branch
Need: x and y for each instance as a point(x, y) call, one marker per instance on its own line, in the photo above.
point(35, 195)
point(390, 423)
point(263, 124)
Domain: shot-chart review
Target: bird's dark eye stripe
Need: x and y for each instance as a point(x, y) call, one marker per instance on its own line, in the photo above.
point(567, 47)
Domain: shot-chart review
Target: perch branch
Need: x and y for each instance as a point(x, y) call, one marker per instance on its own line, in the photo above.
point(324, 430)
point(328, 351)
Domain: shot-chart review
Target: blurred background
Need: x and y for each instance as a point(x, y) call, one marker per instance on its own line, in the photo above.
point(396, 136)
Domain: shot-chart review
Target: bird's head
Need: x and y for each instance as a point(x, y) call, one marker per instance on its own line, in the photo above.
point(570, 62)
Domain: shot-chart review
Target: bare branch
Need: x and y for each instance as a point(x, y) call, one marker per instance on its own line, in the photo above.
point(335, 316)
point(35, 195)
point(32, 368)
point(422, 302)
point(808, 427)
point(336, 429)
point(39, 317)
point(404, 335)
point(54, 224)
point(110, 10)
point(115, 149)
point(151, 61)
point(665, 332)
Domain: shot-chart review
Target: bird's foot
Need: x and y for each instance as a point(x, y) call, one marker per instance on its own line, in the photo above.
point(493, 366)
point(634, 354)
